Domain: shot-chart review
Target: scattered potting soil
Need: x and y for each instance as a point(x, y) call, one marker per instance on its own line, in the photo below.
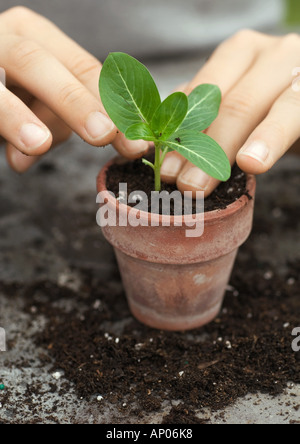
point(139, 177)
point(105, 353)
point(114, 361)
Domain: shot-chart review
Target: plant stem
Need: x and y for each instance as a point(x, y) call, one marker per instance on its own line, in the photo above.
point(163, 156)
point(157, 167)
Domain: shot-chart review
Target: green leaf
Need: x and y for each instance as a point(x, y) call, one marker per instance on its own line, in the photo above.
point(140, 131)
point(203, 152)
point(169, 115)
point(204, 105)
point(128, 91)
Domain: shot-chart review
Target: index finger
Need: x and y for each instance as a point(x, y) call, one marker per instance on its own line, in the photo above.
point(84, 66)
point(34, 68)
point(31, 25)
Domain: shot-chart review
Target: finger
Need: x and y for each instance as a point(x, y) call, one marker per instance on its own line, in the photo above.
point(231, 60)
point(274, 136)
point(60, 132)
point(26, 98)
point(228, 64)
point(131, 149)
point(171, 167)
point(84, 66)
point(23, 95)
point(243, 108)
point(18, 161)
point(39, 72)
point(20, 127)
point(33, 26)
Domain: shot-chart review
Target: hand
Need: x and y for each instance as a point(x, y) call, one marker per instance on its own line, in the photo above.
point(259, 117)
point(52, 90)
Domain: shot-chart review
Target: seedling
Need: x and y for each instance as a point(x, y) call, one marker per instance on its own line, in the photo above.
point(132, 101)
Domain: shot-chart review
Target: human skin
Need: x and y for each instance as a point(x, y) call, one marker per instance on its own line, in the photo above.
point(259, 118)
point(51, 90)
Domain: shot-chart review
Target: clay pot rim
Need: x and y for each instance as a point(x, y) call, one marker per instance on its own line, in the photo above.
point(210, 216)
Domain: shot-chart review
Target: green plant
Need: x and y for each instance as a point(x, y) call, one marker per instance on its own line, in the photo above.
point(132, 101)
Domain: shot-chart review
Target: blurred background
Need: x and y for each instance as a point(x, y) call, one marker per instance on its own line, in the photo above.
point(158, 29)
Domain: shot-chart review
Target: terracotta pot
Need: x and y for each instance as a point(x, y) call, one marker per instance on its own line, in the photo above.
point(174, 282)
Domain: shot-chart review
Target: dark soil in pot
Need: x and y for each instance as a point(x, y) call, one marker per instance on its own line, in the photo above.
point(139, 177)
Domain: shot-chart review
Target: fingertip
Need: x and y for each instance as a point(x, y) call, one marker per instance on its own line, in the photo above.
point(250, 165)
point(254, 157)
point(194, 180)
point(35, 139)
point(108, 138)
point(171, 167)
point(18, 161)
point(130, 149)
point(183, 187)
point(167, 178)
point(100, 130)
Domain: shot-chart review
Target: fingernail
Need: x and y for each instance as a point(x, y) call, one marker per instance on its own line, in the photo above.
point(257, 150)
point(33, 136)
point(20, 162)
point(98, 125)
point(196, 178)
point(171, 166)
